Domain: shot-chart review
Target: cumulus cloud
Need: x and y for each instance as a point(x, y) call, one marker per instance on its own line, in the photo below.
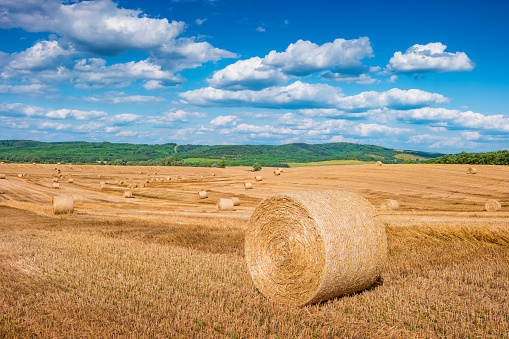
point(340, 138)
point(40, 56)
point(361, 79)
point(151, 85)
point(177, 116)
point(200, 21)
point(224, 120)
point(471, 135)
point(124, 98)
point(23, 89)
point(429, 58)
point(123, 119)
point(19, 109)
point(75, 114)
point(301, 95)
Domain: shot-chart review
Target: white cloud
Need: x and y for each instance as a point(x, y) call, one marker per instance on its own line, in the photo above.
point(392, 79)
point(260, 29)
point(75, 114)
point(23, 89)
point(40, 56)
point(302, 95)
point(247, 74)
point(361, 79)
point(19, 109)
point(340, 138)
point(124, 98)
point(469, 135)
point(200, 21)
point(124, 119)
point(224, 120)
point(179, 116)
point(127, 134)
point(429, 58)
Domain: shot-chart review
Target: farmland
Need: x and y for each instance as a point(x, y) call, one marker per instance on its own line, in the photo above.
point(168, 264)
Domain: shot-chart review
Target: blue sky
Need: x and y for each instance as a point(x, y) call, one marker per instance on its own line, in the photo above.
point(421, 75)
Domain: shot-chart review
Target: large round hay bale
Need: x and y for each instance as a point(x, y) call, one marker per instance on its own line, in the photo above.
point(63, 204)
point(225, 204)
point(248, 185)
point(2, 175)
point(56, 185)
point(77, 198)
point(128, 194)
point(306, 247)
point(389, 205)
point(258, 178)
point(202, 194)
point(471, 170)
point(379, 163)
point(71, 180)
point(236, 201)
point(276, 172)
point(492, 205)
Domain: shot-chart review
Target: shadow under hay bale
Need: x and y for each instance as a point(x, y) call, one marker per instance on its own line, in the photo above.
point(305, 247)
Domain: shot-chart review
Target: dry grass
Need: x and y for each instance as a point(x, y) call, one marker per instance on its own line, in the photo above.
point(70, 277)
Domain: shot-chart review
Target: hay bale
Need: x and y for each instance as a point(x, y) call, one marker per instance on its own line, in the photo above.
point(492, 205)
point(471, 170)
point(280, 169)
point(306, 247)
point(71, 180)
point(20, 175)
point(225, 204)
point(202, 194)
point(236, 201)
point(168, 178)
point(128, 194)
point(2, 175)
point(55, 179)
point(276, 172)
point(389, 205)
point(56, 185)
point(258, 178)
point(77, 198)
point(1, 163)
point(58, 163)
point(248, 185)
point(379, 163)
point(63, 204)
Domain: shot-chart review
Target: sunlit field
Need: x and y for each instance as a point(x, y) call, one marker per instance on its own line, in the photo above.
point(168, 264)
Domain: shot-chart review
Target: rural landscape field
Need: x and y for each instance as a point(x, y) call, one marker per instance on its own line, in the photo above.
point(166, 263)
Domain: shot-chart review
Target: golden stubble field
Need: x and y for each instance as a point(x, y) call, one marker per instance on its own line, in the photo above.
point(168, 264)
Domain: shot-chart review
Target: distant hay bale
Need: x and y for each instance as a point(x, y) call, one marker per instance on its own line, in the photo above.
point(236, 201)
point(276, 172)
point(34, 163)
point(305, 247)
point(142, 185)
point(147, 181)
point(213, 174)
point(248, 185)
point(99, 176)
point(2, 175)
point(128, 194)
point(20, 175)
point(202, 194)
point(63, 204)
point(1, 163)
point(55, 179)
point(71, 180)
point(168, 178)
point(56, 185)
point(389, 205)
point(135, 185)
point(471, 170)
point(121, 182)
point(258, 178)
point(492, 205)
point(225, 204)
point(77, 198)
point(280, 169)
point(379, 163)
point(58, 163)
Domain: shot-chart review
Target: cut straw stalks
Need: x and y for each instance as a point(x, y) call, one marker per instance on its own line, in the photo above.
point(305, 247)
point(389, 205)
point(492, 205)
point(471, 170)
point(258, 178)
point(202, 194)
point(225, 204)
point(379, 163)
point(63, 204)
point(248, 185)
point(128, 194)
point(236, 201)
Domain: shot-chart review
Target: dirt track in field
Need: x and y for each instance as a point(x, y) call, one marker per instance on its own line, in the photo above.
point(426, 193)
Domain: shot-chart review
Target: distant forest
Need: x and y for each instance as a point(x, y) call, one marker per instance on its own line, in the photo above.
point(488, 158)
point(171, 154)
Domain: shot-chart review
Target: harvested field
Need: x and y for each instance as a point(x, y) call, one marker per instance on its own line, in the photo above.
point(168, 264)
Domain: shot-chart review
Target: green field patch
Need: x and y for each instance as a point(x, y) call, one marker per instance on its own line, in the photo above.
point(405, 156)
point(198, 160)
point(329, 162)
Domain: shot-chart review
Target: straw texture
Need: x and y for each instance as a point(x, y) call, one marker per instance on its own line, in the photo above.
point(306, 247)
point(258, 178)
point(128, 194)
point(389, 205)
point(63, 204)
point(77, 198)
point(248, 185)
point(202, 194)
point(471, 170)
point(492, 205)
point(236, 201)
point(379, 163)
point(2, 175)
point(225, 204)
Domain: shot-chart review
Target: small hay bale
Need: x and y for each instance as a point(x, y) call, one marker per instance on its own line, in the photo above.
point(225, 204)
point(56, 185)
point(168, 178)
point(280, 169)
point(142, 185)
point(99, 176)
point(248, 185)
point(2, 175)
point(58, 163)
point(1, 163)
point(121, 182)
point(389, 205)
point(128, 194)
point(213, 174)
point(276, 172)
point(34, 164)
point(471, 170)
point(202, 194)
point(135, 185)
point(71, 180)
point(492, 205)
point(20, 175)
point(305, 247)
point(258, 178)
point(379, 163)
point(77, 198)
point(63, 204)
point(147, 181)
point(236, 201)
